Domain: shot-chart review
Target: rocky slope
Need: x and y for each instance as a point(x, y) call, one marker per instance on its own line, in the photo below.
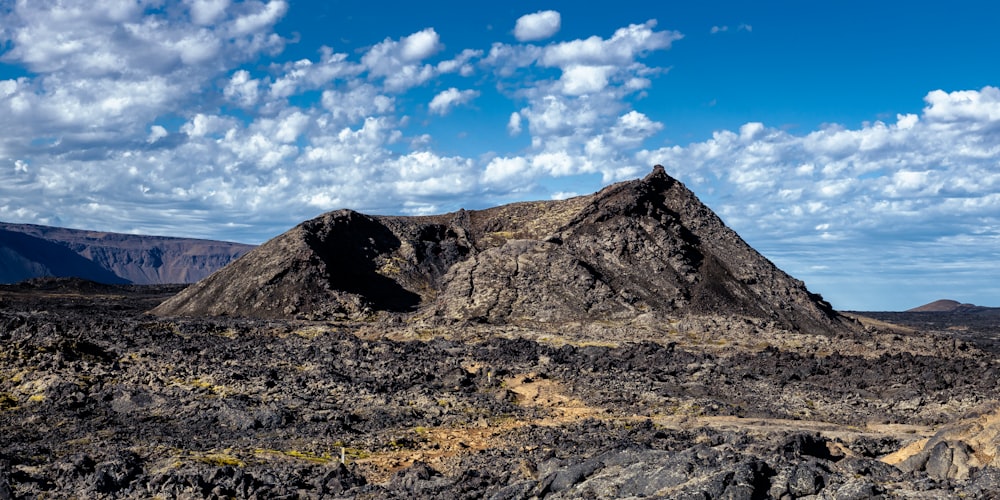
point(644, 250)
point(109, 257)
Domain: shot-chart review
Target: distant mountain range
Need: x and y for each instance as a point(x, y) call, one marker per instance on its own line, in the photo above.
point(30, 251)
point(952, 306)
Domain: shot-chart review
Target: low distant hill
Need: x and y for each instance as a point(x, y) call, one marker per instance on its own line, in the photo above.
point(31, 251)
point(949, 306)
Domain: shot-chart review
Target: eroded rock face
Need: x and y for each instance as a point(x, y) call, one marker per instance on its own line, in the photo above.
point(635, 248)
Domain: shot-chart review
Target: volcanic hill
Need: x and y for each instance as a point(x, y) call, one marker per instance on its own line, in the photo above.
point(948, 306)
point(639, 249)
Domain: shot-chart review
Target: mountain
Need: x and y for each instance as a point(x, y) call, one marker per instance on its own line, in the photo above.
point(23, 257)
point(950, 306)
point(30, 251)
point(646, 248)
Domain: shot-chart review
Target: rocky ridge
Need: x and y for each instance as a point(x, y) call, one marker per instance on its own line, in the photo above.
point(643, 250)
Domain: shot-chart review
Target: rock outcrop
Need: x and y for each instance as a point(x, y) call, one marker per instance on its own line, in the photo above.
point(956, 450)
point(637, 248)
point(109, 257)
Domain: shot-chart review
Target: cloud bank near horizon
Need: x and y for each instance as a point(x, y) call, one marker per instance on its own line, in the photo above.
point(183, 119)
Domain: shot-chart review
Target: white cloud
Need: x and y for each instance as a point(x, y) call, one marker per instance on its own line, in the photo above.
point(242, 89)
point(563, 195)
point(206, 12)
point(461, 63)
point(304, 75)
point(579, 80)
point(537, 26)
point(156, 132)
point(102, 71)
point(973, 107)
point(399, 62)
point(423, 175)
point(355, 103)
point(501, 170)
point(257, 17)
point(718, 29)
point(632, 129)
point(442, 103)
point(621, 49)
point(577, 114)
point(420, 45)
point(514, 124)
point(290, 127)
point(203, 125)
point(506, 60)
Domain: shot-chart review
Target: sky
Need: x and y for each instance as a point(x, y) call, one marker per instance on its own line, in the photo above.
point(855, 144)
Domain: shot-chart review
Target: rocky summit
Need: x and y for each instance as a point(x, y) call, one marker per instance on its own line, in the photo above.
point(641, 250)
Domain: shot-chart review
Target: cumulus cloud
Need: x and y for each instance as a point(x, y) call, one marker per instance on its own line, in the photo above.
point(400, 62)
point(537, 26)
point(304, 74)
point(448, 99)
point(156, 132)
point(514, 124)
point(624, 46)
point(206, 12)
point(576, 117)
point(106, 69)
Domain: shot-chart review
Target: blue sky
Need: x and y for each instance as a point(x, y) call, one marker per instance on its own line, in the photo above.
point(855, 144)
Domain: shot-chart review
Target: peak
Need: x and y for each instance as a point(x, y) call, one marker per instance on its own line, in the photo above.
point(658, 173)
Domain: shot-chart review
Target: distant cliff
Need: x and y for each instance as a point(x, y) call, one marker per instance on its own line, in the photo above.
point(30, 251)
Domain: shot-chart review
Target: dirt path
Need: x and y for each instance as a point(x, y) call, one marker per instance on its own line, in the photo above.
point(441, 444)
